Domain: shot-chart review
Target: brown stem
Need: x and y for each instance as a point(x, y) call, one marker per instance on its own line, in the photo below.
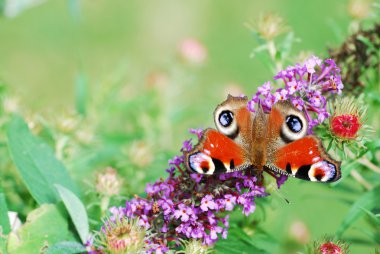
point(359, 178)
point(365, 162)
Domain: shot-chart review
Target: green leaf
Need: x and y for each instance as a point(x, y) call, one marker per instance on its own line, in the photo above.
point(286, 46)
point(368, 201)
point(240, 243)
point(5, 226)
point(36, 163)
point(4, 219)
point(44, 227)
point(81, 89)
point(76, 210)
point(66, 248)
point(373, 218)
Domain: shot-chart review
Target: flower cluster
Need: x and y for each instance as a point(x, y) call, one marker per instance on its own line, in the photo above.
point(306, 85)
point(190, 206)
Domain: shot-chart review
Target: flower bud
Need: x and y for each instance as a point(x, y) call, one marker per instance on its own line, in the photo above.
point(269, 26)
point(194, 246)
point(347, 119)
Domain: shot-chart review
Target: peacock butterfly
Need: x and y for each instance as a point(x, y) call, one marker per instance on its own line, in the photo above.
point(276, 142)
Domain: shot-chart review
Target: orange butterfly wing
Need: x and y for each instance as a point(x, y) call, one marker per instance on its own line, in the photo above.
point(306, 159)
point(216, 154)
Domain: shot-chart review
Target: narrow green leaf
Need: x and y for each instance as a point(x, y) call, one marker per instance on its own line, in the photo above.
point(81, 93)
point(368, 201)
point(66, 248)
point(36, 163)
point(76, 210)
point(375, 219)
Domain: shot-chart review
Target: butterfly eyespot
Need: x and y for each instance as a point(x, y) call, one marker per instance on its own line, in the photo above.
point(294, 123)
point(294, 127)
point(226, 123)
point(226, 118)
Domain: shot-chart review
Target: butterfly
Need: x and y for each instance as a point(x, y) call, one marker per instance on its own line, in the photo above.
point(276, 142)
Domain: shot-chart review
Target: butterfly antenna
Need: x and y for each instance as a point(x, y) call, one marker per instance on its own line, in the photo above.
point(278, 192)
point(281, 195)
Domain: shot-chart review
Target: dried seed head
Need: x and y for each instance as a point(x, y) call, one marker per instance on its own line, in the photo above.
point(359, 9)
point(269, 26)
point(108, 183)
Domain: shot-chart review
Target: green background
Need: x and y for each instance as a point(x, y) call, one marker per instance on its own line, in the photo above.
point(43, 49)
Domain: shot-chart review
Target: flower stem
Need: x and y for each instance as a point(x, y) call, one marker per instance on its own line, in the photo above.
point(365, 162)
point(360, 179)
point(104, 204)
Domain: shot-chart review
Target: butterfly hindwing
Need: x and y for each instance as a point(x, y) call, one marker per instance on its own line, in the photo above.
point(216, 153)
point(306, 159)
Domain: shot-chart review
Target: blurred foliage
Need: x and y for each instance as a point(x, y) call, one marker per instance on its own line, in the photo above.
point(105, 85)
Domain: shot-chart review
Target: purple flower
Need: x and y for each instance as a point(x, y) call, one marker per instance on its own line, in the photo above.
point(298, 103)
point(208, 203)
point(196, 177)
point(197, 132)
point(230, 202)
point(143, 222)
point(187, 146)
point(311, 63)
point(281, 94)
point(264, 89)
point(213, 232)
point(176, 161)
point(183, 212)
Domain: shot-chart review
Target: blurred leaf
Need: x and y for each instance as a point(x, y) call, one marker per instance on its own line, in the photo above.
point(44, 227)
point(81, 90)
point(2, 6)
point(4, 219)
point(5, 226)
point(368, 201)
point(238, 242)
point(374, 236)
point(75, 9)
point(66, 248)
point(286, 46)
point(36, 163)
point(367, 42)
point(76, 210)
point(375, 219)
point(261, 52)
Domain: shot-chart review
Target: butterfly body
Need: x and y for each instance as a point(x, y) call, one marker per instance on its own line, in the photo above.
point(277, 142)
